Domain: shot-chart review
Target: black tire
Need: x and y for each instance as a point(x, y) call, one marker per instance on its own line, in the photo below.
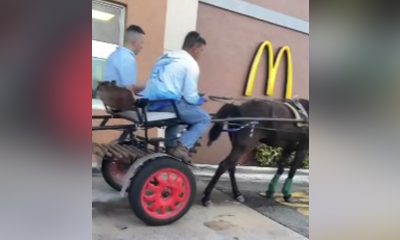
point(107, 166)
point(145, 176)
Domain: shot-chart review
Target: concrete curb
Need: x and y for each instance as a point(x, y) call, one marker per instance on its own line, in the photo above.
point(243, 173)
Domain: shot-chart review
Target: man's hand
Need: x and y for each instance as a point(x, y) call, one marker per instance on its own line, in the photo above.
point(203, 95)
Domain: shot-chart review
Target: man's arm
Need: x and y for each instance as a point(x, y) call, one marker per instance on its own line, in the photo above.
point(190, 92)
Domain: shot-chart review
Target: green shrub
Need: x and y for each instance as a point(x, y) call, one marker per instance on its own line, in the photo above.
point(268, 157)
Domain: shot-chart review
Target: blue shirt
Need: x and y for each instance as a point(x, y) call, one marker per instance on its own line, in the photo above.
point(121, 67)
point(174, 76)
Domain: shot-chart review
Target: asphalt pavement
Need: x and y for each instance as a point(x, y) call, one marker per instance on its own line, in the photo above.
point(294, 215)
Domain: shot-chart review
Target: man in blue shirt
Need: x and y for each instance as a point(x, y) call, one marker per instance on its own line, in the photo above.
point(175, 76)
point(121, 64)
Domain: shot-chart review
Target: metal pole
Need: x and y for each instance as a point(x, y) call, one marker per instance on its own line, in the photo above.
point(239, 119)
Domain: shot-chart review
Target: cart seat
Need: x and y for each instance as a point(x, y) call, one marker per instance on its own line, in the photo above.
point(121, 103)
point(151, 116)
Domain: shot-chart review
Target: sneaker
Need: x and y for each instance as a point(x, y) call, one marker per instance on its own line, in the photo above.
point(180, 152)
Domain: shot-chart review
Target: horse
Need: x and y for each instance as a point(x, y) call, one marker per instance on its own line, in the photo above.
point(290, 136)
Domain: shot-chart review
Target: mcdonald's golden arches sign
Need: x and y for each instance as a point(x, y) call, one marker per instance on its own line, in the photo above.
point(272, 70)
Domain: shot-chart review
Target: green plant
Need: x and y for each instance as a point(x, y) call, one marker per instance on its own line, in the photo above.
point(268, 157)
point(306, 163)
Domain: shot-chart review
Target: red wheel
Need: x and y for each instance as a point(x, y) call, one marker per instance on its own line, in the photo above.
point(162, 191)
point(165, 193)
point(114, 171)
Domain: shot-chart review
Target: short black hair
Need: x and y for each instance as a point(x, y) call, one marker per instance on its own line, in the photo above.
point(193, 38)
point(135, 28)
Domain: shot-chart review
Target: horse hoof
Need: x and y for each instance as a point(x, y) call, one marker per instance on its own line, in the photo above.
point(240, 199)
point(269, 195)
point(288, 198)
point(206, 203)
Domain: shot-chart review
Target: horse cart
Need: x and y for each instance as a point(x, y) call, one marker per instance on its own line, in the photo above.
point(160, 187)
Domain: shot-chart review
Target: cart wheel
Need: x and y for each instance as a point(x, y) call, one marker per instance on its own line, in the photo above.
point(162, 191)
point(114, 171)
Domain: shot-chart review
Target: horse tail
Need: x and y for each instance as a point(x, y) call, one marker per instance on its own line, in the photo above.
point(228, 110)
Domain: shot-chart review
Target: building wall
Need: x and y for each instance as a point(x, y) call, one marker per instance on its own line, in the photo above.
point(232, 40)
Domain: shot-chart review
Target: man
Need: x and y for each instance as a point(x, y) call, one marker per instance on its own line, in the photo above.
point(175, 76)
point(121, 64)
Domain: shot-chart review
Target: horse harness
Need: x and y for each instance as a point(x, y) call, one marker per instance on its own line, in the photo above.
point(294, 106)
point(299, 112)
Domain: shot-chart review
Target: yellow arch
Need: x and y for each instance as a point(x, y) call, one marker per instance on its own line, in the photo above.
point(273, 68)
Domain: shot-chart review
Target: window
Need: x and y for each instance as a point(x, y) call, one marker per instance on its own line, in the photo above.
point(108, 24)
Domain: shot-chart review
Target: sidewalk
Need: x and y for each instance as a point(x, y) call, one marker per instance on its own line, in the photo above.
point(225, 219)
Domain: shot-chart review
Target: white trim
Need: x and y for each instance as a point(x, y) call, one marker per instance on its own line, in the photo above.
point(183, 14)
point(261, 13)
point(122, 26)
point(108, 3)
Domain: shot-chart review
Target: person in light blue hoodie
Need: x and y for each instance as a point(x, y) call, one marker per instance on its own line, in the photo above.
point(175, 76)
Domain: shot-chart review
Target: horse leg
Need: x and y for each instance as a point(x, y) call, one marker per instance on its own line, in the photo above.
point(228, 163)
point(287, 186)
point(223, 166)
point(281, 168)
point(236, 193)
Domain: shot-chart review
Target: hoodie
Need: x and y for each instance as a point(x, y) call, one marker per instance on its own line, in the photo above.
point(174, 76)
